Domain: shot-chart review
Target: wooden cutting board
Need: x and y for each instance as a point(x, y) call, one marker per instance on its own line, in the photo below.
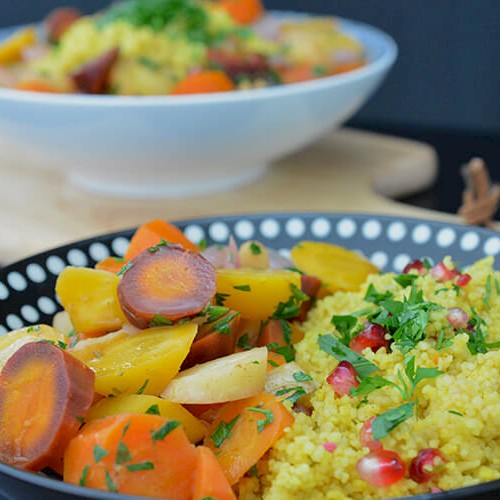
point(349, 170)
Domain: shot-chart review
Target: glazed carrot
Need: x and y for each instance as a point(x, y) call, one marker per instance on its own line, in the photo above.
point(297, 73)
point(133, 454)
point(274, 360)
point(44, 394)
point(36, 86)
point(214, 340)
point(209, 478)
point(151, 233)
point(346, 67)
point(204, 82)
point(279, 332)
point(243, 11)
point(206, 412)
point(244, 430)
point(111, 264)
point(166, 282)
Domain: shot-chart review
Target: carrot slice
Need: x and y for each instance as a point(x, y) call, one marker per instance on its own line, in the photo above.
point(151, 233)
point(244, 430)
point(243, 11)
point(44, 393)
point(133, 454)
point(209, 478)
point(167, 281)
point(111, 264)
point(204, 82)
point(36, 86)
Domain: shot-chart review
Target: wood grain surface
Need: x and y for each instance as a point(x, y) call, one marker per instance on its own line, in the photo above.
point(349, 171)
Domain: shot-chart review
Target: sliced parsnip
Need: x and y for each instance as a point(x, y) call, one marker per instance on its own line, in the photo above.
point(289, 376)
point(229, 378)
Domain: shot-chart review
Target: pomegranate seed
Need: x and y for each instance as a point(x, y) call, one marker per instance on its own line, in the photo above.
point(366, 436)
point(442, 273)
point(426, 464)
point(381, 468)
point(463, 279)
point(343, 378)
point(372, 336)
point(415, 265)
point(329, 446)
point(457, 317)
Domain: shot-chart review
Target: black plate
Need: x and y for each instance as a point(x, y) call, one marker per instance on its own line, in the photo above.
point(27, 287)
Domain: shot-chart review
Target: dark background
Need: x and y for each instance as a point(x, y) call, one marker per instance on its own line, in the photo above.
point(444, 88)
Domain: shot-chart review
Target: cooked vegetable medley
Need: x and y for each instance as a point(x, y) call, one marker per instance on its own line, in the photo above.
point(190, 372)
point(156, 47)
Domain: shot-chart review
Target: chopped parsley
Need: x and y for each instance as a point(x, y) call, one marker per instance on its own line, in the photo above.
point(143, 387)
point(125, 268)
point(287, 351)
point(301, 377)
point(220, 298)
point(161, 433)
point(159, 320)
point(99, 453)
point(80, 420)
point(487, 293)
point(253, 471)
point(386, 422)
point(291, 308)
point(153, 410)
point(83, 477)
point(345, 326)
point(31, 329)
point(140, 466)
point(125, 429)
point(331, 345)
point(443, 341)
point(375, 297)
point(455, 412)
point(73, 335)
point(110, 483)
point(294, 393)
point(405, 280)
point(122, 453)
point(477, 336)
point(148, 63)
point(255, 248)
point(223, 326)
point(214, 313)
point(269, 418)
point(223, 432)
point(242, 288)
point(242, 342)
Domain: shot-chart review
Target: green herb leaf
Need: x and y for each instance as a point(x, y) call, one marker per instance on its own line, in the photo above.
point(223, 326)
point(153, 410)
point(333, 346)
point(242, 342)
point(161, 433)
point(125, 268)
point(253, 471)
point(386, 422)
point(269, 418)
point(155, 248)
point(83, 477)
point(287, 331)
point(442, 341)
point(110, 483)
point(149, 63)
point(487, 294)
point(455, 412)
point(373, 296)
point(405, 280)
point(122, 453)
point(287, 351)
point(140, 466)
point(477, 337)
point(80, 420)
point(255, 248)
point(220, 298)
point(295, 393)
point(214, 313)
point(125, 429)
point(291, 308)
point(242, 288)
point(159, 320)
point(143, 387)
point(223, 431)
point(370, 384)
point(301, 377)
point(345, 325)
point(99, 453)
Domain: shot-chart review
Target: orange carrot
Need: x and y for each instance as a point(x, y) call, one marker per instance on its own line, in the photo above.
point(243, 11)
point(151, 233)
point(206, 412)
point(249, 331)
point(209, 478)
point(244, 430)
point(111, 264)
point(37, 86)
point(296, 74)
point(44, 394)
point(204, 82)
point(133, 454)
point(274, 360)
point(346, 67)
point(166, 282)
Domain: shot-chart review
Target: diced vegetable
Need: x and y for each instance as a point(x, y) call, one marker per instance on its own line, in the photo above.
point(243, 11)
point(204, 82)
point(256, 293)
point(166, 281)
point(209, 478)
point(237, 376)
point(244, 430)
point(144, 403)
point(133, 454)
point(152, 233)
point(43, 392)
point(145, 361)
point(11, 49)
point(91, 300)
point(111, 264)
point(337, 267)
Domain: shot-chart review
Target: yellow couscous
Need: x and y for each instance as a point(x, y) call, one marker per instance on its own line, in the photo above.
point(457, 412)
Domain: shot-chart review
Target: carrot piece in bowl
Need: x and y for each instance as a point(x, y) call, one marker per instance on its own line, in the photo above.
point(243, 11)
point(204, 82)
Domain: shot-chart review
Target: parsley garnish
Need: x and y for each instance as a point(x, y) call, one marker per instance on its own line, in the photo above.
point(33, 329)
point(301, 377)
point(159, 320)
point(375, 297)
point(333, 346)
point(487, 294)
point(125, 268)
point(83, 477)
point(148, 63)
point(386, 422)
point(242, 342)
point(110, 483)
point(273, 363)
point(405, 280)
point(287, 351)
point(477, 337)
point(153, 410)
point(255, 248)
point(213, 313)
point(99, 453)
point(73, 335)
point(223, 326)
point(442, 341)
point(345, 325)
point(242, 288)
point(143, 386)
point(125, 429)
point(455, 412)
point(140, 466)
point(164, 430)
point(253, 471)
point(122, 453)
point(290, 309)
point(80, 420)
point(269, 418)
point(287, 331)
point(295, 393)
point(223, 431)
point(220, 298)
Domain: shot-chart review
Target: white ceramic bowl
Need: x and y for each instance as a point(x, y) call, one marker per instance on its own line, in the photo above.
point(186, 145)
